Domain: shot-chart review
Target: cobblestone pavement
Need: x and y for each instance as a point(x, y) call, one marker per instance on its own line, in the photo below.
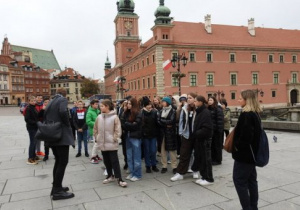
point(28, 187)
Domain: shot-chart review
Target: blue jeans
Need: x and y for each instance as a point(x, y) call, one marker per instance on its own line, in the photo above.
point(150, 152)
point(134, 156)
point(82, 136)
point(32, 142)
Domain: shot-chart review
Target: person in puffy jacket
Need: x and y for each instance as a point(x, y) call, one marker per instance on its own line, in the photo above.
point(107, 131)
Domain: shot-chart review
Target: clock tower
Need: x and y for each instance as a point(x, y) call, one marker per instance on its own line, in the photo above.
point(127, 31)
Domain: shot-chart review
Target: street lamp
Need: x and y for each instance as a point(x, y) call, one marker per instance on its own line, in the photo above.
point(179, 59)
point(120, 80)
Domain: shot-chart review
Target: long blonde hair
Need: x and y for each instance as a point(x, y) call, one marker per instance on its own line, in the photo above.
point(251, 101)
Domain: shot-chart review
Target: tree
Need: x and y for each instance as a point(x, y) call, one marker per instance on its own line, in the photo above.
point(89, 88)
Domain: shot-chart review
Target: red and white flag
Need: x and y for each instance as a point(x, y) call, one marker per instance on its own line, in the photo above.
point(116, 80)
point(167, 64)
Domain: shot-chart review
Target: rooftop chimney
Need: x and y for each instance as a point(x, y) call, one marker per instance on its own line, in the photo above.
point(251, 27)
point(208, 28)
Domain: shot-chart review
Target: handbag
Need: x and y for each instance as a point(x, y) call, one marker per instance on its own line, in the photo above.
point(228, 146)
point(49, 131)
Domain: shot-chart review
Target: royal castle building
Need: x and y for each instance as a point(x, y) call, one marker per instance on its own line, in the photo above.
point(222, 59)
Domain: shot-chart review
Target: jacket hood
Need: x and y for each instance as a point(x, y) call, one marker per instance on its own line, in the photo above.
point(113, 112)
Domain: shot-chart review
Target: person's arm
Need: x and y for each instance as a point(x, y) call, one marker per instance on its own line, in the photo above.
point(205, 129)
point(89, 120)
point(117, 129)
point(63, 111)
point(136, 125)
point(171, 121)
point(29, 118)
point(95, 129)
point(74, 118)
point(180, 126)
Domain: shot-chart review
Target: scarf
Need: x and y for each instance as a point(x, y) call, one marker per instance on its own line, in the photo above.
point(165, 111)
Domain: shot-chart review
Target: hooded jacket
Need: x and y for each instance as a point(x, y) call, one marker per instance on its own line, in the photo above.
point(91, 117)
point(184, 129)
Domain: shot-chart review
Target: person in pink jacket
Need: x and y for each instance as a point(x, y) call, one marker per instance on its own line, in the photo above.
point(107, 131)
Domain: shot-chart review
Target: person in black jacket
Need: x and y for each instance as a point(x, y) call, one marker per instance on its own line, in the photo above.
point(131, 124)
point(202, 132)
point(167, 122)
point(79, 122)
point(150, 133)
point(217, 117)
point(245, 144)
point(31, 119)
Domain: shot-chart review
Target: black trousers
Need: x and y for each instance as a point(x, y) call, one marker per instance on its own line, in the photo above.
point(61, 154)
point(46, 151)
point(245, 182)
point(111, 162)
point(217, 147)
point(187, 147)
point(123, 139)
point(203, 157)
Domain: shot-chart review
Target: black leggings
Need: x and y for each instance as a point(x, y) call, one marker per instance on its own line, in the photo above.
point(61, 154)
point(111, 162)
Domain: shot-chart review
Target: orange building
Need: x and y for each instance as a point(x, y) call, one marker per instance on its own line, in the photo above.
point(222, 59)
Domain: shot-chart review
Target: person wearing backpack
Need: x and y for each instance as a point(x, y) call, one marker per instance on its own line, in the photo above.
point(245, 145)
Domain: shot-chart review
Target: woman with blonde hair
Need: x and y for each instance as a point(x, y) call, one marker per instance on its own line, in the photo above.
point(245, 141)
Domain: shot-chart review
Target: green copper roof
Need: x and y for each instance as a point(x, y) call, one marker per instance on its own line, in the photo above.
point(162, 10)
point(42, 58)
point(125, 6)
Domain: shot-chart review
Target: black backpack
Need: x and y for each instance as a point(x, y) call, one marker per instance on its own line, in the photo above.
point(262, 156)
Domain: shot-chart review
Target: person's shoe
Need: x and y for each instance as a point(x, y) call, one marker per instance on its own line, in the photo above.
point(134, 179)
point(98, 158)
point(66, 189)
point(196, 175)
point(169, 162)
point(148, 170)
point(127, 171)
point(94, 160)
point(129, 177)
point(214, 163)
point(121, 183)
point(155, 169)
point(125, 166)
point(178, 156)
point(177, 177)
point(86, 154)
point(164, 170)
point(37, 158)
point(108, 180)
point(40, 153)
point(174, 170)
point(45, 158)
point(31, 162)
point(199, 180)
point(62, 195)
point(78, 155)
point(158, 154)
point(205, 183)
point(190, 171)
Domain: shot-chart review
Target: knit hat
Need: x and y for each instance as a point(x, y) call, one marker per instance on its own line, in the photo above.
point(145, 101)
point(167, 99)
point(183, 97)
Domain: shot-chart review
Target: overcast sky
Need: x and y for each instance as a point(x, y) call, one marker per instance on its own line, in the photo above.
point(81, 32)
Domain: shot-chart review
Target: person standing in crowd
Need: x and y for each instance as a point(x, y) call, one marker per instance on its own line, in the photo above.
point(157, 106)
point(41, 118)
point(186, 122)
point(31, 119)
point(167, 122)
point(202, 133)
point(72, 112)
point(123, 108)
point(79, 122)
point(39, 107)
point(57, 111)
point(226, 112)
point(91, 117)
point(218, 129)
point(150, 132)
point(131, 124)
point(107, 131)
point(246, 137)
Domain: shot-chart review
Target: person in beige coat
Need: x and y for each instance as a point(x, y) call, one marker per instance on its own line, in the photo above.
point(107, 131)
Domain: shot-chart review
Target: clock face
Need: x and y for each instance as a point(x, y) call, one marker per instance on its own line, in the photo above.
point(128, 25)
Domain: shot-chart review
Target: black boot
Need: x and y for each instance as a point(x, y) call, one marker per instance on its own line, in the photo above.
point(45, 158)
point(155, 169)
point(59, 194)
point(148, 170)
point(66, 189)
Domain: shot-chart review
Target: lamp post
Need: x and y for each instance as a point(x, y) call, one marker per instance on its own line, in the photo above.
point(120, 80)
point(178, 60)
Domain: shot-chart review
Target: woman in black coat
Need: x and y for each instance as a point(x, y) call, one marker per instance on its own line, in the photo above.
point(57, 111)
point(246, 136)
point(217, 117)
point(202, 133)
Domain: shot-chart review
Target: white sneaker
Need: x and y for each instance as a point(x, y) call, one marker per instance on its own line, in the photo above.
point(128, 171)
point(134, 179)
point(190, 171)
point(196, 175)
point(205, 183)
point(176, 177)
point(169, 161)
point(199, 180)
point(129, 177)
point(105, 173)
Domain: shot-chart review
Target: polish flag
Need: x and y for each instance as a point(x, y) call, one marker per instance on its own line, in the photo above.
point(167, 64)
point(116, 80)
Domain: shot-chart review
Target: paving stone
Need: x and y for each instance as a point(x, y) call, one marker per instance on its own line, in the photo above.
point(235, 204)
point(16, 173)
point(127, 202)
point(275, 195)
point(83, 196)
point(281, 205)
point(2, 184)
point(18, 164)
point(212, 207)
point(75, 207)
point(4, 198)
point(184, 196)
point(88, 185)
point(133, 187)
point(12, 151)
point(70, 168)
point(31, 204)
point(295, 200)
point(292, 188)
point(30, 194)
